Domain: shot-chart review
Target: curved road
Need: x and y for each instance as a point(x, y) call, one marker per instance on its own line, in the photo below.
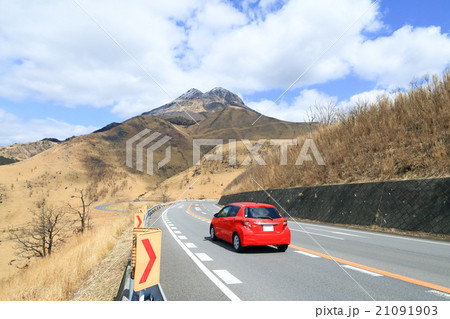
point(322, 263)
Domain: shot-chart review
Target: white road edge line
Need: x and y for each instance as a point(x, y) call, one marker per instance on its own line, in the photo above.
point(307, 232)
point(228, 278)
point(203, 268)
point(362, 271)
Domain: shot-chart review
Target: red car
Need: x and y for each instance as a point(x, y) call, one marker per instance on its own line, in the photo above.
point(250, 224)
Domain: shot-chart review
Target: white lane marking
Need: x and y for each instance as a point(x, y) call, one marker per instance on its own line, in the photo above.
point(197, 208)
point(182, 237)
point(307, 232)
point(439, 294)
point(306, 254)
point(369, 233)
point(362, 271)
point(228, 278)
point(203, 257)
point(176, 232)
point(190, 245)
point(345, 234)
point(203, 268)
point(174, 228)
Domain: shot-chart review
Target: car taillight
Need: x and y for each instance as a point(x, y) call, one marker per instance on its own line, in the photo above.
point(246, 224)
point(284, 224)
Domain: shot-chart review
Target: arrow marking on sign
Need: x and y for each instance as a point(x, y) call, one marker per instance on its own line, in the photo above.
point(151, 254)
point(140, 221)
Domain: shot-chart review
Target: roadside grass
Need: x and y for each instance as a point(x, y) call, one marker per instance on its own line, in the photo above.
point(56, 277)
point(402, 137)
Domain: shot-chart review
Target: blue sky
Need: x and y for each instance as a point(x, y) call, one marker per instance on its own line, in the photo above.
point(61, 75)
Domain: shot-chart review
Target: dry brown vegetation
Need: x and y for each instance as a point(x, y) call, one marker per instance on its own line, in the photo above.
point(56, 276)
point(403, 137)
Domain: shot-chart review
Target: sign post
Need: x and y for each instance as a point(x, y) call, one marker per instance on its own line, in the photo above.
point(139, 218)
point(147, 257)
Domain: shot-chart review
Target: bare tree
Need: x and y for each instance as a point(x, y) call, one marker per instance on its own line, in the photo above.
point(164, 194)
point(39, 238)
point(83, 211)
point(324, 113)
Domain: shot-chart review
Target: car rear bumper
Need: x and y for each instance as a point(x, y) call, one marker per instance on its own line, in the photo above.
point(270, 238)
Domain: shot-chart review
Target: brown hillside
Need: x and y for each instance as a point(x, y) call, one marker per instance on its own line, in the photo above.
point(236, 123)
point(26, 150)
point(402, 138)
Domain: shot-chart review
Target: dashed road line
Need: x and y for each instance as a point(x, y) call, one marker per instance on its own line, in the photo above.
point(375, 270)
point(182, 237)
point(227, 291)
point(345, 234)
point(363, 271)
point(316, 234)
point(203, 257)
point(190, 245)
point(439, 294)
point(228, 278)
point(306, 254)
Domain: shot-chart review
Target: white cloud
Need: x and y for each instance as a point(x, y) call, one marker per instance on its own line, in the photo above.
point(17, 130)
point(53, 51)
point(298, 110)
point(368, 97)
point(393, 61)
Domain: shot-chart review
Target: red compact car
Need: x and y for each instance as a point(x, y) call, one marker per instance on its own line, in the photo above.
point(250, 224)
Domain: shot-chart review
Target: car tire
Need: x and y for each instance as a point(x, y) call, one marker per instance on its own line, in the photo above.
point(282, 248)
point(237, 245)
point(212, 233)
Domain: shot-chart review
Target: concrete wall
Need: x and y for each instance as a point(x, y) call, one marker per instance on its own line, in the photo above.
point(415, 205)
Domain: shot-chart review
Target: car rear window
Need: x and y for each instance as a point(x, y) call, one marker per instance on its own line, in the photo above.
point(233, 211)
point(261, 212)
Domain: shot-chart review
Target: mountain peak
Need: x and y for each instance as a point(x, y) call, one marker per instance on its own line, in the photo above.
point(194, 105)
point(191, 94)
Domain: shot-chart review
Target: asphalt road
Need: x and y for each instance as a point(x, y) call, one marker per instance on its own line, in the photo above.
point(322, 263)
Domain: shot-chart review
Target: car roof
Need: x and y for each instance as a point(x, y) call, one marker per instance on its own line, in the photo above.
point(251, 204)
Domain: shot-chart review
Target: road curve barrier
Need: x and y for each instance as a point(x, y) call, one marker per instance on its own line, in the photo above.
point(140, 280)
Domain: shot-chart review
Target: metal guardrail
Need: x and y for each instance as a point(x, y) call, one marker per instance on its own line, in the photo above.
point(154, 293)
point(126, 292)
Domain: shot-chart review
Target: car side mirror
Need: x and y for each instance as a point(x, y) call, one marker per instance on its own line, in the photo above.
point(216, 215)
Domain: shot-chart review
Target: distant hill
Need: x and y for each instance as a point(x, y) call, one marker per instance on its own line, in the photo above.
point(21, 151)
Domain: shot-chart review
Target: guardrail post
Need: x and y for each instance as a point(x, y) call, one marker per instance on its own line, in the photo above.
point(131, 291)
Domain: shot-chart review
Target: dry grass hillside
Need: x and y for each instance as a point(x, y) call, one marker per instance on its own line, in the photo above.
point(96, 164)
point(401, 138)
point(55, 175)
point(26, 150)
point(206, 180)
point(237, 123)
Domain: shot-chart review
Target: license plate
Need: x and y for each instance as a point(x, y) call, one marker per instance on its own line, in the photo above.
point(268, 228)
